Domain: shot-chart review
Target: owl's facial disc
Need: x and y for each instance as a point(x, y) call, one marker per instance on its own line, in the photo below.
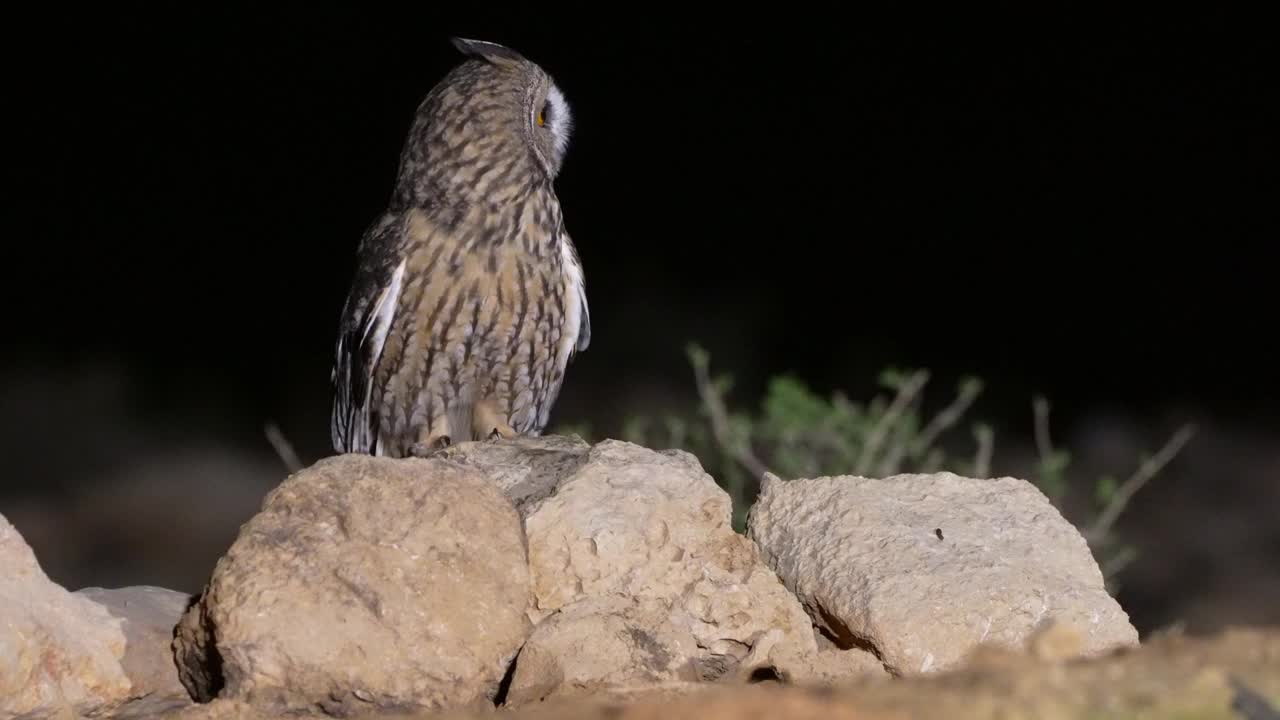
point(552, 126)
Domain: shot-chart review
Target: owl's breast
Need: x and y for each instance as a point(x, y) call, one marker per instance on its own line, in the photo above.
point(478, 316)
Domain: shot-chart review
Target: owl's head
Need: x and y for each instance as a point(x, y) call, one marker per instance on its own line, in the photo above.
point(543, 113)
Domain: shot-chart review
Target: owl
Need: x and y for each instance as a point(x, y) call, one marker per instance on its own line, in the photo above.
point(468, 300)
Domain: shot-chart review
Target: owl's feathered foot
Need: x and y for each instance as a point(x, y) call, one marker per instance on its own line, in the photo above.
point(488, 423)
point(430, 448)
point(498, 434)
point(432, 440)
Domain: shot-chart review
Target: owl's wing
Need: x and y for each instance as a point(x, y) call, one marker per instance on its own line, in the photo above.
point(366, 321)
point(578, 318)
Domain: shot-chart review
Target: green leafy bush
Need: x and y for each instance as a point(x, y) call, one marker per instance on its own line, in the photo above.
point(794, 432)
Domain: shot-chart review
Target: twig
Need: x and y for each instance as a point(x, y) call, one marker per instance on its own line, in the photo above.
point(906, 393)
point(720, 420)
point(899, 441)
point(1040, 405)
point(949, 415)
point(1053, 463)
point(1114, 564)
point(986, 446)
point(282, 447)
point(1145, 472)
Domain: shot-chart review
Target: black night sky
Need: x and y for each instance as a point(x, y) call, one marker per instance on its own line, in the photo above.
point(1076, 204)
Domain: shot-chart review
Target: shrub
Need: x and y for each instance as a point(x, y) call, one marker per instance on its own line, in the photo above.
point(794, 432)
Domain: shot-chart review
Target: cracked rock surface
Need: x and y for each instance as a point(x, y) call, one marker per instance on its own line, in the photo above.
point(653, 528)
point(924, 567)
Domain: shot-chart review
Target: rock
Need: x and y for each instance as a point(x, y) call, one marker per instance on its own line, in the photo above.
point(830, 665)
point(526, 469)
point(925, 567)
point(364, 584)
point(148, 615)
point(1228, 676)
point(60, 653)
point(653, 527)
point(1052, 641)
point(735, 604)
point(159, 706)
point(603, 645)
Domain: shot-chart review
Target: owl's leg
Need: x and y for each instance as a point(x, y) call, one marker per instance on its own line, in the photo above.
point(488, 423)
point(432, 438)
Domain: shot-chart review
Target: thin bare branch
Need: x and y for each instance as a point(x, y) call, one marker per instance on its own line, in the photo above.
point(720, 421)
point(948, 416)
point(895, 446)
point(986, 446)
point(906, 393)
point(1044, 446)
point(1145, 472)
point(283, 447)
point(1112, 566)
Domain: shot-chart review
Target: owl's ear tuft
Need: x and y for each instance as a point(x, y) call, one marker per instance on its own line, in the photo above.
point(493, 52)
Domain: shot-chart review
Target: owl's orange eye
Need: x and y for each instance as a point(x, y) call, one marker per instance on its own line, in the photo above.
point(541, 120)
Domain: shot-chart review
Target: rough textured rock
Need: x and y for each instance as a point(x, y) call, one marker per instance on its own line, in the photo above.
point(526, 469)
point(603, 644)
point(830, 665)
point(148, 615)
point(60, 653)
point(653, 526)
point(1234, 675)
point(155, 706)
point(1230, 676)
point(365, 583)
point(925, 567)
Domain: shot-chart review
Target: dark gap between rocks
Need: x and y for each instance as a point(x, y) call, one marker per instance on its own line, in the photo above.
point(843, 638)
point(766, 673)
point(504, 687)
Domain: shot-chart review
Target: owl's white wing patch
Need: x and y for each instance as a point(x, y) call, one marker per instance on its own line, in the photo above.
point(577, 319)
point(384, 308)
point(353, 426)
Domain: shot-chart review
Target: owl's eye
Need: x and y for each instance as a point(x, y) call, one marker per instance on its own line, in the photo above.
point(544, 114)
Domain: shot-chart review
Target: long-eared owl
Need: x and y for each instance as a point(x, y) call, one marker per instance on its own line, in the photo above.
point(468, 299)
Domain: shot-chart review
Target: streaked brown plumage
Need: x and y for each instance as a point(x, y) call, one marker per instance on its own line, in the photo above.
point(468, 299)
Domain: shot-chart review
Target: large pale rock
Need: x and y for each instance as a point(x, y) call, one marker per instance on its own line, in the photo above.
point(603, 645)
point(654, 527)
point(147, 616)
point(925, 567)
point(60, 653)
point(365, 583)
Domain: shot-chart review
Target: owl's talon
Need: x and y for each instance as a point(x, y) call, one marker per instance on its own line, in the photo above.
point(488, 422)
point(432, 448)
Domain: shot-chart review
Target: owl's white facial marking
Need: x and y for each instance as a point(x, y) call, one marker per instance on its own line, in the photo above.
point(553, 122)
point(561, 121)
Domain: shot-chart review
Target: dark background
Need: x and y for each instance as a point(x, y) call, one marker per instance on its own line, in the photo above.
point(1079, 205)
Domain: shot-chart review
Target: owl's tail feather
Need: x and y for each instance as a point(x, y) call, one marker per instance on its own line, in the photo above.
point(462, 423)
